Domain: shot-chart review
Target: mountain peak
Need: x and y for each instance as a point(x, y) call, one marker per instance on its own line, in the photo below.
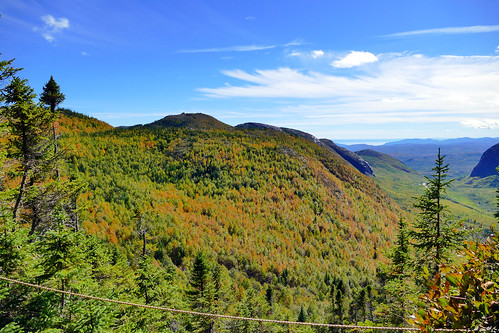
point(190, 120)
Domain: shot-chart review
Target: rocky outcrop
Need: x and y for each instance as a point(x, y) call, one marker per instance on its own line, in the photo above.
point(355, 160)
point(487, 166)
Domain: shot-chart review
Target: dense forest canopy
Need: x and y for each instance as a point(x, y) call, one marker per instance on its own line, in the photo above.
point(250, 222)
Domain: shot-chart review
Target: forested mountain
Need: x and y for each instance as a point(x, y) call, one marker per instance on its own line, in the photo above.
point(275, 210)
point(197, 121)
point(235, 194)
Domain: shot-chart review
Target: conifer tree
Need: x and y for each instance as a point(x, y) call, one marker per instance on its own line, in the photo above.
point(435, 232)
point(400, 255)
point(302, 317)
point(52, 97)
point(28, 124)
point(201, 293)
point(399, 286)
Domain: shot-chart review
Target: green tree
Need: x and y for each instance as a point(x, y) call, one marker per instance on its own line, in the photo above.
point(399, 286)
point(302, 317)
point(435, 231)
point(28, 124)
point(201, 293)
point(400, 255)
point(7, 71)
point(52, 97)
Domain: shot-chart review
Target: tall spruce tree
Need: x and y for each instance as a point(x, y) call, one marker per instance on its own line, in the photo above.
point(435, 231)
point(52, 97)
point(201, 293)
point(28, 125)
point(399, 287)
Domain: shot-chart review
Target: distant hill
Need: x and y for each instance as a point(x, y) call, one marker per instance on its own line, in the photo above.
point(419, 154)
point(487, 166)
point(198, 121)
point(469, 199)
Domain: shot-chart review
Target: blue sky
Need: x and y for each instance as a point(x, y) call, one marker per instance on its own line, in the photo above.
point(350, 71)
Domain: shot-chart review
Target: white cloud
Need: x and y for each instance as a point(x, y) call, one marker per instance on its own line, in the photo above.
point(52, 27)
point(451, 30)
point(497, 49)
point(53, 23)
point(355, 58)
point(317, 54)
point(396, 88)
point(481, 124)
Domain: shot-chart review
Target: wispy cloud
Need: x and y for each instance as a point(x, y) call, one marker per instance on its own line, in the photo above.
point(354, 59)
point(52, 27)
point(395, 88)
point(447, 31)
point(242, 48)
point(481, 124)
point(237, 48)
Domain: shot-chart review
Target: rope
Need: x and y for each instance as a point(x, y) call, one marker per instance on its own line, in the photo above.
point(214, 315)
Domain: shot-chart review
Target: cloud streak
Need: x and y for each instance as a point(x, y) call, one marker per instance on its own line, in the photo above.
point(395, 88)
point(448, 31)
point(241, 48)
point(52, 27)
point(237, 48)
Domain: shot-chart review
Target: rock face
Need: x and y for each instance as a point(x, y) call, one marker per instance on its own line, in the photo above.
point(488, 163)
point(355, 160)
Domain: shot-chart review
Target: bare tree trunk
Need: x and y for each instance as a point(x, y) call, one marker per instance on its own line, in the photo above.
point(21, 193)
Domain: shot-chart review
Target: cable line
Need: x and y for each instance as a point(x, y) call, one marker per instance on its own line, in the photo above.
point(215, 315)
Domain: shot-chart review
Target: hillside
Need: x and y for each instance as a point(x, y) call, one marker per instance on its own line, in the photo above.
point(350, 157)
point(71, 122)
point(469, 199)
point(397, 179)
point(270, 207)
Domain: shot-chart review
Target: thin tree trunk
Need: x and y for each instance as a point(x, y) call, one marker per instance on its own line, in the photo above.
point(21, 192)
point(55, 148)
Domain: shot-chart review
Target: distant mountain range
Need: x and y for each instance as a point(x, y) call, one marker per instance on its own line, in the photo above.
point(462, 154)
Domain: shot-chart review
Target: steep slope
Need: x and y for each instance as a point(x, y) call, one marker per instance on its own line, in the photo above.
point(350, 157)
point(198, 121)
point(271, 207)
point(487, 166)
point(354, 159)
point(397, 179)
point(74, 122)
